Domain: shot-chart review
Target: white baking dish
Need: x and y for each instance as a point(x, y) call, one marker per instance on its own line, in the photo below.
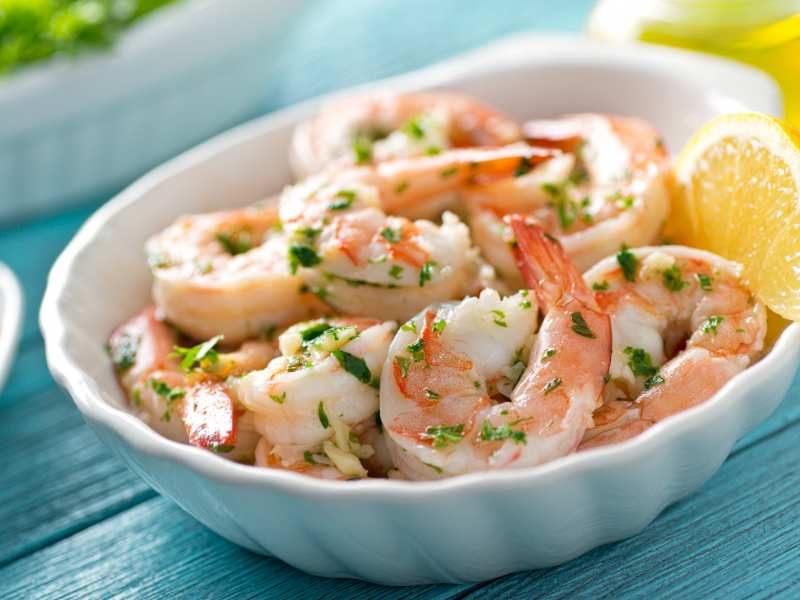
point(467, 528)
point(72, 130)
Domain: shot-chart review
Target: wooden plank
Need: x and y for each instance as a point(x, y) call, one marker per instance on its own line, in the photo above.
point(57, 478)
point(29, 374)
point(736, 538)
point(30, 250)
point(155, 550)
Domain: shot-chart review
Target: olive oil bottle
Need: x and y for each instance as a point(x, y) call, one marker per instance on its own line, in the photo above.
point(762, 33)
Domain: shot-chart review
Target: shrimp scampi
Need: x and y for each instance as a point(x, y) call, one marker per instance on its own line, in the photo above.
point(608, 188)
point(683, 325)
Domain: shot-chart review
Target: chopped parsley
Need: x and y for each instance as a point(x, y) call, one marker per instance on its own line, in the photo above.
point(623, 201)
point(355, 365)
point(362, 148)
point(401, 187)
point(525, 304)
point(548, 354)
point(499, 318)
point(410, 326)
point(309, 458)
point(426, 272)
point(600, 286)
point(323, 418)
point(123, 352)
point(403, 363)
point(443, 435)
point(279, 398)
point(551, 385)
point(705, 282)
point(439, 325)
point(672, 279)
point(523, 168)
point(711, 323)
point(202, 355)
point(391, 235)
point(627, 262)
point(378, 422)
point(413, 129)
point(432, 395)
point(490, 433)
point(314, 331)
point(433, 151)
point(640, 362)
point(449, 172)
point(235, 243)
point(416, 350)
point(221, 448)
point(302, 255)
point(580, 326)
point(344, 200)
point(396, 272)
point(565, 206)
point(169, 394)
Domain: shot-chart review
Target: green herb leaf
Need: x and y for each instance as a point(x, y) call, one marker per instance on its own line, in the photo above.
point(309, 458)
point(362, 148)
point(314, 331)
point(499, 318)
point(279, 398)
point(711, 323)
point(640, 362)
point(548, 354)
point(672, 279)
point(551, 385)
point(600, 286)
point(523, 168)
point(449, 172)
point(410, 326)
point(580, 326)
point(355, 365)
point(414, 129)
point(653, 381)
point(443, 435)
point(345, 200)
point(221, 448)
point(403, 363)
point(627, 262)
point(302, 255)
point(235, 243)
point(490, 433)
point(705, 282)
point(426, 272)
point(123, 352)
point(323, 418)
point(391, 235)
point(396, 272)
point(416, 350)
point(439, 325)
point(194, 356)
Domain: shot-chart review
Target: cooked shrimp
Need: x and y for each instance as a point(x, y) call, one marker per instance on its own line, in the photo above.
point(361, 261)
point(470, 387)
point(683, 325)
point(182, 392)
point(225, 273)
point(608, 188)
point(382, 126)
point(311, 403)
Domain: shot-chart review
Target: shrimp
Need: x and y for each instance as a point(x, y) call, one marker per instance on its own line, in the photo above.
point(383, 126)
point(683, 325)
point(182, 393)
point(225, 273)
point(608, 188)
point(315, 404)
point(360, 260)
point(470, 386)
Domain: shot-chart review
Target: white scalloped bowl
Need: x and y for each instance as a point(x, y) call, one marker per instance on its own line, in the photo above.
point(468, 528)
point(11, 313)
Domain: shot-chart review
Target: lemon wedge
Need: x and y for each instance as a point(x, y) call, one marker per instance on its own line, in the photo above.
point(737, 193)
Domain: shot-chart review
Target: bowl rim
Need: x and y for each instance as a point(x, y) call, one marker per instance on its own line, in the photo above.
point(134, 432)
point(11, 310)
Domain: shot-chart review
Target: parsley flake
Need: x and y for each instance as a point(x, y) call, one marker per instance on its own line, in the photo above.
point(490, 433)
point(345, 200)
point(711, 323)
point(672, 279)
point(323, 418)
point(551, 385)
point(355, 365)
point(302, 255)
point(235, 243)
point(600, 286)
point(705, 282)
point(426, 272)
point(391, 235)
point(202, 355)
point(580, 326)
point(443, 435)
point(627, 262)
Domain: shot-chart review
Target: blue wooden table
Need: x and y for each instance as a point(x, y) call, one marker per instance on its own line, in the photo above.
point(74, 522)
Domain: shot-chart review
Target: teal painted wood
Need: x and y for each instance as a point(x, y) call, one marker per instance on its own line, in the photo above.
point(735, 538)
point(74, 522)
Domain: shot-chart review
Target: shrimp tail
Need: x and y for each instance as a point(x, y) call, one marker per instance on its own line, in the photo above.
point(544, 264)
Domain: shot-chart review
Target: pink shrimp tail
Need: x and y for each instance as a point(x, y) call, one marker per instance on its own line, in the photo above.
point(545, 266)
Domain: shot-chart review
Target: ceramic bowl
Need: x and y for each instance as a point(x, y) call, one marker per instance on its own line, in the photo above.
point(75, 129)
point(467, 528)
point(11, 310)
